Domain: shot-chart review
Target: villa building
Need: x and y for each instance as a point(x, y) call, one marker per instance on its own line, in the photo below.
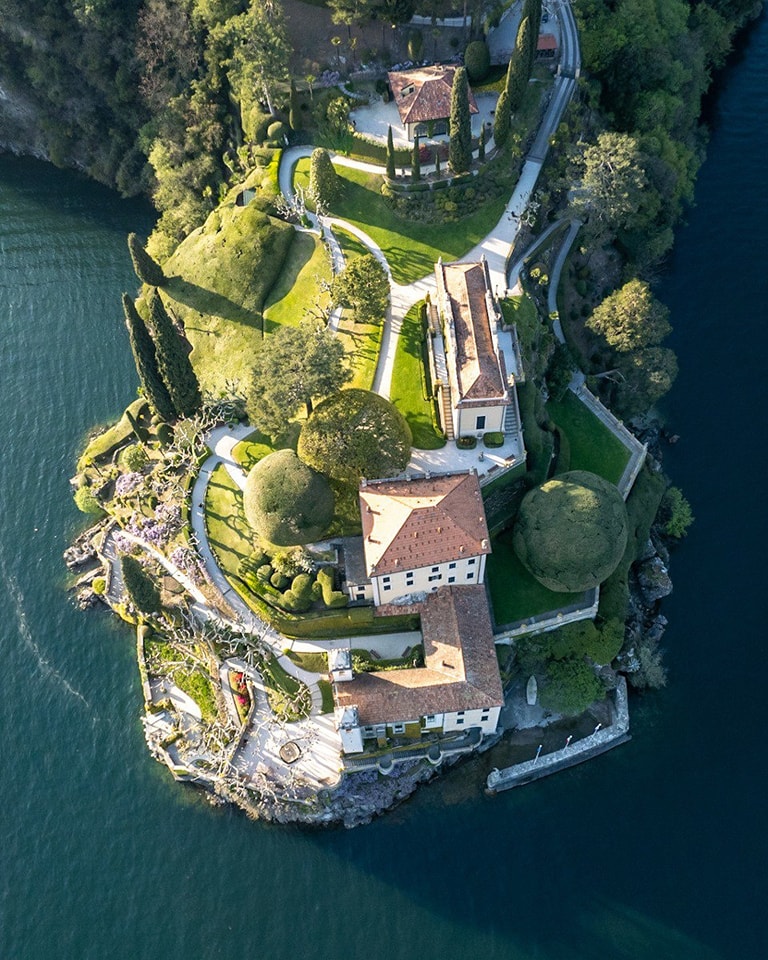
point(477, 390)
point(423, 99)
point(418, 535)
point(457, 692)
point(425, 544)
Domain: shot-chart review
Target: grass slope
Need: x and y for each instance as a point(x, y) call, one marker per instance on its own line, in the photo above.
point(219, 278)
point(299, 286)
point(592, 445)
point(408, 391)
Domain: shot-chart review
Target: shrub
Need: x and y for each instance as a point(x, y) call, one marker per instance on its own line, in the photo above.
point(302, 586)
point(99, 586)
point(293, 603)
point(279, 581)
point(675, 513)
point(477, 60)
point(86, 502)
point(139, 585)
point(494, 438)
point(264, 572)
point(466, 443)
point(277, 131)
point(135, 457)
point(331, 597)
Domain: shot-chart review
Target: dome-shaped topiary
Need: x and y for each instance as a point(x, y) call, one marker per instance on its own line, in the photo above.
point(571, 532)
point(355, 434)
point(287, 502)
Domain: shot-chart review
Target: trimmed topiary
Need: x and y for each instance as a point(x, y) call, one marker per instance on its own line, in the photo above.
point(477, 60)
point(494, 438)
point(286, 502)
point(571, 532)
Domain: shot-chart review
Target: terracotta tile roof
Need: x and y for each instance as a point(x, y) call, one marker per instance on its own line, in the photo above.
point(546, 41)
point(424, 94)
point(460, 672)
point(479, 372)
point(423, 521)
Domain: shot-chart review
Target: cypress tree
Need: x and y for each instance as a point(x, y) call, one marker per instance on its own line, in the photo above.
point(525, 47)
point(172, 359)
point(147, 269)
point(460, 147)
point(501, 123)
point(517, 80)
point(532, 11)
point(415, 161)
point(294, 112)
point(390, 155)
point(145, 358)
point(481, 145)
point(437, 163)
point(139, 586)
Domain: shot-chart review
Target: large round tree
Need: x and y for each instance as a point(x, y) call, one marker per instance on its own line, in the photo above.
point(356, 434)
point(286, 502)
point(571, 531)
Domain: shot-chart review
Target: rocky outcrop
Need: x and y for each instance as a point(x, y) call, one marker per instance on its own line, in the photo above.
point(653, 580)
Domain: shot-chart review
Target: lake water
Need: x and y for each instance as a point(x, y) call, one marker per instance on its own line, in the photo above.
point(657, 850)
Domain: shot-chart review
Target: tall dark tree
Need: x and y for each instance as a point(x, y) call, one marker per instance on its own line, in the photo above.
point(294, 113)
point(517, 79)
point(532, 11)
point(481, 145)
point(145, 358)
point(173, 359)
point(460, 147)
point(147, 269)
point(525, 46)
point(415, 161)
point(501, 120)
point(139, 586)
point(390, 155)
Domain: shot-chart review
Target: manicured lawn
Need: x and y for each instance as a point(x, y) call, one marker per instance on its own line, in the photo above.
point(592, 445)
point(515, 594)
point(362, 343)
point(298, 288)
point(255, 447)
point(409, 390)
point(350, 245)
point(326, 691)
point(412, 249)
point(228, 532)
point(313, 662)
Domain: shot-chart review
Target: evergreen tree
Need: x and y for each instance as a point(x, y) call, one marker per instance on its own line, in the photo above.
point(391, 173)
point(517, 80)
point(139, 586)
point(460, 148)
point(532, 11)
point(147, 269)
point(481, 145)
point(415, 161)
point(501, 122)
point(324, 184)
point(437, 163)
point(525, 47)
point(173, 360)
point(294, 113)
point(145, 358)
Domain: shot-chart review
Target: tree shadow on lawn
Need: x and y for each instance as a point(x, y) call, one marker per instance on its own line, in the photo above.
point(210, 303)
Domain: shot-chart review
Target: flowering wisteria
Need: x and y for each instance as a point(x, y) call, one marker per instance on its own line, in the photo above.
point(189, 563)
point(157, 530)
point(128, 482)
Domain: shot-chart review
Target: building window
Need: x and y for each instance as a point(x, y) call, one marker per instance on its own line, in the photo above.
point(388, 586)
point(480, 425)
point(386, 579)
point(483, 718)
point(451, 579)
point(471, 561)
point(398, 728)
point(470, 576)
point(451, 566)
point(435, 569)
point(460, 720)
point(435, 576)
point(460, 713)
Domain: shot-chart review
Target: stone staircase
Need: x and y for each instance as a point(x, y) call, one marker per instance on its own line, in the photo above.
point(447, 412)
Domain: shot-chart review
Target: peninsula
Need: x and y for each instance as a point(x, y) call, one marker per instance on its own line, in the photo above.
point(390, 494)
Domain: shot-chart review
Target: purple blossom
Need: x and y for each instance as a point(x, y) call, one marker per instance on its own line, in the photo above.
point(128, 482)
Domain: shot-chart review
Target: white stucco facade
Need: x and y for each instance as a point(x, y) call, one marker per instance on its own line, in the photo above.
point(395, 586)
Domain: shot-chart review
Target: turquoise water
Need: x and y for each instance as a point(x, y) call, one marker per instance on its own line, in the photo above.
point(657, 850)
